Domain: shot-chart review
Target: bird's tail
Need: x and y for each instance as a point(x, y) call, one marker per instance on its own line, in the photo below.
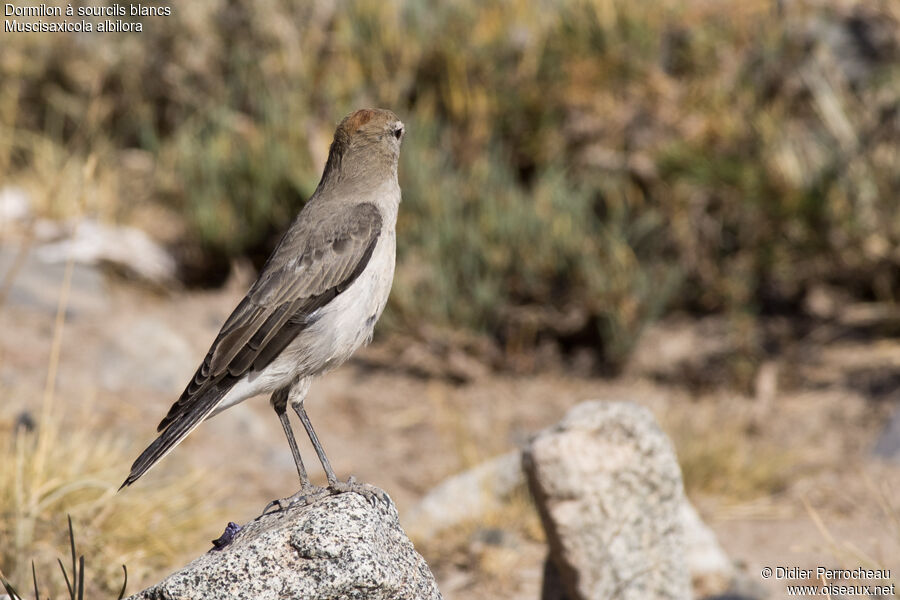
point(175, 432)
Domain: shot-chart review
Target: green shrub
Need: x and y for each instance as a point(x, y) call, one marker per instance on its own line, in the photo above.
point(572, 169)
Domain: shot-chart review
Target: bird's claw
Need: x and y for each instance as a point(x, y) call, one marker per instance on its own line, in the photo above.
point(371, 493)
point(309, 494)
point(306, 496)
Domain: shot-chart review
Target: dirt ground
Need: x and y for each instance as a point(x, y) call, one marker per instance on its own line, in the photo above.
point(785, 476)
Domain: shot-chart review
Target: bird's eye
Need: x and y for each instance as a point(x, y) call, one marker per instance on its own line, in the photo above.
point(398, 132)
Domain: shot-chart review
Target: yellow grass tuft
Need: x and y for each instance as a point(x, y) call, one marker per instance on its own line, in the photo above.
point(70, 465)
point(718, 458)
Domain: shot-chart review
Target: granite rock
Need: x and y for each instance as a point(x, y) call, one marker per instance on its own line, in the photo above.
point(609, 491)
point(339, 547)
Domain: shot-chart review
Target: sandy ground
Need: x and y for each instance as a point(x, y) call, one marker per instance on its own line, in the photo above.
point(785, 477)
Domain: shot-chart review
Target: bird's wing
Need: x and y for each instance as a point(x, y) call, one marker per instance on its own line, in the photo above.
point(308, 269)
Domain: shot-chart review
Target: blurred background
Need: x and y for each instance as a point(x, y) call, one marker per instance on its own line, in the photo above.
point(689, 204)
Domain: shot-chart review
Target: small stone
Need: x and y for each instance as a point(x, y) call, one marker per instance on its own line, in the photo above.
point(887, 446)
point(126, 249)
point(38, 285)
point(468, 495)
point(15, 205)
point(227, 536)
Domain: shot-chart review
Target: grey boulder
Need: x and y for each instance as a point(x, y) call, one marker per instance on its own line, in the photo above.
point(609, 491)
point(339, 547)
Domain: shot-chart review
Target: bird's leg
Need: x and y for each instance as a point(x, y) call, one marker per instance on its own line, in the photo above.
point(307, 489)
point(279, 403)
point(369, 492)
point(320, 452)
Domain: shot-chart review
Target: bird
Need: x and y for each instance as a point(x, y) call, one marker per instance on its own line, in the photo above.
point(314, 303)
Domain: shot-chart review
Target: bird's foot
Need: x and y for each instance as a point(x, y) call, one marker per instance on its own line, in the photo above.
point(371, 493)
point(306, 496)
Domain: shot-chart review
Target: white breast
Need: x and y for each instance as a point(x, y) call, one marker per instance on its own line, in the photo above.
point(340, 328)
point(346, 323)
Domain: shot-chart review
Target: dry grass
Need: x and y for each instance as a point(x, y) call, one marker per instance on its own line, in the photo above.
point(847, 554)
point(720, 458)
point(72, 465)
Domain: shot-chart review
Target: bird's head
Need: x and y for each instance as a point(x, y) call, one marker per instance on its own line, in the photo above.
point(366, 140)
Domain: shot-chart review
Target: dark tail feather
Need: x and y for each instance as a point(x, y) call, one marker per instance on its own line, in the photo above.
point(177, 431)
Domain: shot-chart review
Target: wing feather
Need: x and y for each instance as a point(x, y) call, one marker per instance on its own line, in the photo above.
point(307, 269)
